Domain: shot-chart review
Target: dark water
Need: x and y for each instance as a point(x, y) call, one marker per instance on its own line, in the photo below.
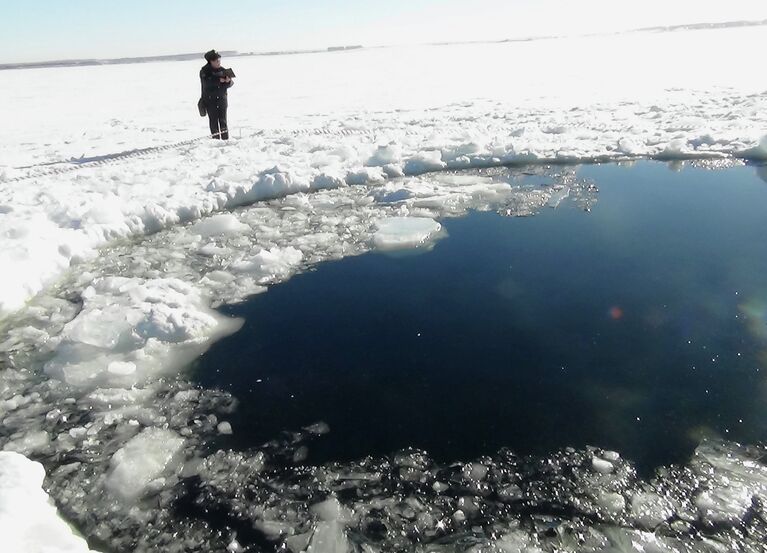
point(639, 326)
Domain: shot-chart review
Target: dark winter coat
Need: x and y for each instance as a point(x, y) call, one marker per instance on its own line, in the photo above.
point(213, 90)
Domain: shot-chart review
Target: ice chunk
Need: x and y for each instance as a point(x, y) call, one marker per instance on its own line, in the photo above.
point(601, 466)
point(121, 368)
point(235, 547)
point(29, 522)
point(675, 149)
point(218, 225)
point(113, 323)
point(386, 155)
point(463, 179)
point(224, 428)
point(144, 458)
point(318, 428)
point(515, 542)
point(611, 502)
point(299, 542)
point(398, 233)
point(424, 162)
point(329, 510)
point(629, 146)
point(131, 330)
point(558, 196)
point(276, 263)
point(475, 471)
point(724, 504)
point(394, 196)
point(366, 175)
point(650, 509)
point(29, 442)
point(329, 535)
point(273, 529)
point(611, 456)
point(758, 152)
point(737, 478)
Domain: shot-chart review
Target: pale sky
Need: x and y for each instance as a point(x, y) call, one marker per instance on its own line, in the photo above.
point(54, 29)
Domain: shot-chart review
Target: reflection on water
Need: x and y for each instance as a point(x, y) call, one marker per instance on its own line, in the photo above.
point(761, 172)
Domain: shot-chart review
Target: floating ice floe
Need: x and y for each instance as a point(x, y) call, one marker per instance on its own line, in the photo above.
point(131, 330)
point(398, 233)
point(219, 224)
point(141, 461)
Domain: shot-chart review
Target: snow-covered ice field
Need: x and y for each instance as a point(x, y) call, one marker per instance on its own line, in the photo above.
point(111, 271)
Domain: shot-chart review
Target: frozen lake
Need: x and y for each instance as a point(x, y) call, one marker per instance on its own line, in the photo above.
point(233, 342)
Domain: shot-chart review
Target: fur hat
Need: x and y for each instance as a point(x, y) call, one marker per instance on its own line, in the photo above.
point(212, 55)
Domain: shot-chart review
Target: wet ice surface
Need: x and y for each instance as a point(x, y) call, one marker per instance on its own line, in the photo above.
point(131, 445)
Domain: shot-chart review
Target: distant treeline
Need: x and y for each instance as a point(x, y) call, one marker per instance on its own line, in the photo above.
point(172, 57)
point(112, 61)
point(343, 48)
point(703, 26)
point(667, 29)
point(293, 52)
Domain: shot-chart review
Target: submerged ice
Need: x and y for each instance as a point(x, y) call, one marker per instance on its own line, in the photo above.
point(259, 501)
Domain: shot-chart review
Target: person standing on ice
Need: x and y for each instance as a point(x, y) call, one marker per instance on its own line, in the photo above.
point(214, 94)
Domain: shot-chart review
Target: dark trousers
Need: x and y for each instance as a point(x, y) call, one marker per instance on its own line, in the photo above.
point(217, 117)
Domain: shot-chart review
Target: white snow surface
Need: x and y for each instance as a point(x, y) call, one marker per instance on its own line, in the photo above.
point(314, 121)
point(29, 522)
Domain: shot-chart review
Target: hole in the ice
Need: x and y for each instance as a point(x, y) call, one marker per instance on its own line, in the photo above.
point(626, 328)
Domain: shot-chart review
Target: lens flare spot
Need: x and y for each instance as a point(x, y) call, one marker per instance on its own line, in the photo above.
point(755, 312)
